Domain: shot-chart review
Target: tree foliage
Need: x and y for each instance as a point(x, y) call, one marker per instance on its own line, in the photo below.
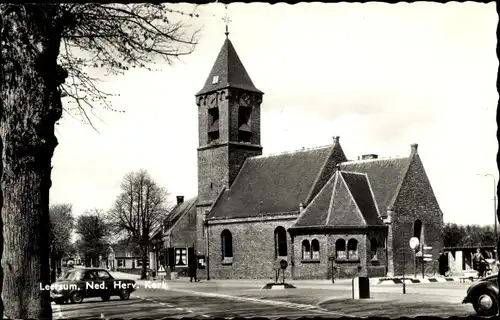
point(455, 235)
point(62, 224)
point(46, 52)
point(94, 234)
point(140, 207)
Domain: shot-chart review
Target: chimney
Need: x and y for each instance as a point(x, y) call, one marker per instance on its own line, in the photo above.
point(414, 147)
point(180, 199)
point(369, 156)
point(336, 139)
point(387, 218)
point(301, 207)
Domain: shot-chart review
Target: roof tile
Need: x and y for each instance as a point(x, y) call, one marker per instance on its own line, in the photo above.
point(271, 184)
point(229, 71)
point(384, 176)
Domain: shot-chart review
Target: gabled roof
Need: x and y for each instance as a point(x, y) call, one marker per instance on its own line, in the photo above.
point(270, 185)
point(178, 212)
point(345, 201)
point(229, 71)
point(385, 175)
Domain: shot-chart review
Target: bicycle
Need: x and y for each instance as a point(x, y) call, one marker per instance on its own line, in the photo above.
point(432, 269)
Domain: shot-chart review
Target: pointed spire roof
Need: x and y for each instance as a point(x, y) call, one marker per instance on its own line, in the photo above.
point(228, 72)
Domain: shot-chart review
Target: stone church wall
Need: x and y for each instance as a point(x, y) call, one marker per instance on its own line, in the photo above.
point(416, 200)
point(253, 250)
point(308, 268)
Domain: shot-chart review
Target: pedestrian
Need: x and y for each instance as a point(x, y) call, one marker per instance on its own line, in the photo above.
point(443, 263)
point(478, 262)
point(193, 265)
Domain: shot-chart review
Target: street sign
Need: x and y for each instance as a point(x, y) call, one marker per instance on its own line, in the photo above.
point(427, 248)
point(427, 259)
point(331, 258)
point(418, 254)
point(427, 255)
point(414, 242)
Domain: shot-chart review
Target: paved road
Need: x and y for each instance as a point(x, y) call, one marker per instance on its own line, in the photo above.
point(211, 299)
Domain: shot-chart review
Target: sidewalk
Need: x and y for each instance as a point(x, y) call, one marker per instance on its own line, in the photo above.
point(302, 284)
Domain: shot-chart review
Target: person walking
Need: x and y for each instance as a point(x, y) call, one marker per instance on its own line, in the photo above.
point(193, 266)
point(443, 263)
point(478, 262)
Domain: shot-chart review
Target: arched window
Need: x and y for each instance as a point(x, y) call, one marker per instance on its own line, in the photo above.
point(306, 250)
point(280, 242)
point(315, 249)
point(352, 249)
point(340, 249)
point(227, 244)
point(417, 232)
point(373, 249)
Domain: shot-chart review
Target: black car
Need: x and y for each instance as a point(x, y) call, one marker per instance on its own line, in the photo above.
point(78, 284)
point(483, 295)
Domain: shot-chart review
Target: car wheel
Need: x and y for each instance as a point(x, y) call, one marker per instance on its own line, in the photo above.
point(486, 304)
point(105, 297)
point(76, 297)
point(124, 294)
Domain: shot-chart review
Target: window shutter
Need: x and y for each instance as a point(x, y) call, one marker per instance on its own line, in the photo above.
point(171, 257)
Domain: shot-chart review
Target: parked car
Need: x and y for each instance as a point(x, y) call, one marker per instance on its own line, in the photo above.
point(483, 296)
point(81, 283)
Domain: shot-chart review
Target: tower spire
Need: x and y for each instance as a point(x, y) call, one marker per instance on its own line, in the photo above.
point(227, 21)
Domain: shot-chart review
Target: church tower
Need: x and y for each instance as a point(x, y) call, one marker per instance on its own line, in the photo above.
point(228, 127)
point(228, 121)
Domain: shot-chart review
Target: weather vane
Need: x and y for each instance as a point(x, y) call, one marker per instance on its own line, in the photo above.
point(227, 21)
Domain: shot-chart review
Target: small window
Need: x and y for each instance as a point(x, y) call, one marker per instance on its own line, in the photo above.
point(215, 79)
point(213, 124)
point(340, 249)
point(352, 249)
point(103, 275)
point(180, 257)
point(280, 242)
point(120, 263)
point(315, 249)
point(306, 250)
point(227, 244)
point(244, 130)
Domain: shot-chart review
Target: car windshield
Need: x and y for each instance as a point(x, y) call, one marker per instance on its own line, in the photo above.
point(73, 276)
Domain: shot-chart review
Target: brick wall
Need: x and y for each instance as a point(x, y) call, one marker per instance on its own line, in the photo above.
point(380, 236)
point(349, 269)
point(253, 250)
point(416, 200)
point(213, 172)
point(307, 269)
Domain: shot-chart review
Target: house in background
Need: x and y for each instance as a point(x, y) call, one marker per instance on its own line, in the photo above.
point(180, 237)
point(122, 257)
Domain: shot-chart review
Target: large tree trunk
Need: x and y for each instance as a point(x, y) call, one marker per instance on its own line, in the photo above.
point(144, 259)
point(31, 106)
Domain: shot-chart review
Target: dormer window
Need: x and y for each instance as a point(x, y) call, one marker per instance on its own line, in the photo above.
point(215, 80)
point(244, 130)
point(213, 124)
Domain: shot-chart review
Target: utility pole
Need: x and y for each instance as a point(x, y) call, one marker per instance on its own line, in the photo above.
point(494, 211)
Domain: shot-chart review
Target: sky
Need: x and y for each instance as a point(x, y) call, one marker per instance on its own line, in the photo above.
point(380, 76)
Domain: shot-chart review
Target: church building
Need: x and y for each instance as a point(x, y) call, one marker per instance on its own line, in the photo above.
point(322, 213)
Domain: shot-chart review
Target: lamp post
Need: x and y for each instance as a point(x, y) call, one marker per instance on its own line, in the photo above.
point(495, 210)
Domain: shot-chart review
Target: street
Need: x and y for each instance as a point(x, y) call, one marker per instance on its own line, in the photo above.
point(245, 299)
